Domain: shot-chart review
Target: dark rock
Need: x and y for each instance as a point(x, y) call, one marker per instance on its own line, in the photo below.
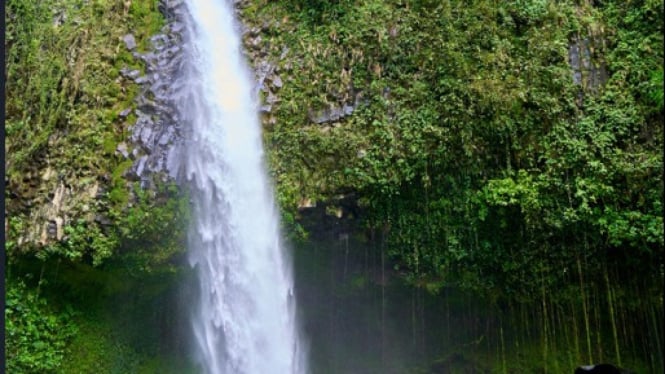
point(159, 41)
point(101, 193)
point(271, 99)
point(103, 220)
point(125, 113)
point(159, 89)
point(148, 57)
point(156, 132)
point(587, 63)
point(277, 81)
point(122, 149)
point(147, 184)
point(240, 3)
point(166, 137)
point(146, 135)
point(130, 42)
point(331, 114)
point(263, 70)
point(255, 42)
point(140, 166)
point(52, 229)
point(145, 108)
point(177, 27)
point(131, 74)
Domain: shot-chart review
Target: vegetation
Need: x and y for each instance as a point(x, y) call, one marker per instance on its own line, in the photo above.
point(36, 335)
point(64, 95)
point(474, 151)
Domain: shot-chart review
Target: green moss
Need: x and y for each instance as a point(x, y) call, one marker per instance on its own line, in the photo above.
point(119, 194)
point(150, 20)
point(109, 146)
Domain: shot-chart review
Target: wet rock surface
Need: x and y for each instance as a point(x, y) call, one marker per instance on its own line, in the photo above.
point(334, 112)
point(585, 56)
point(272, 67)
point(47, 196)
point(266, 66)
point(157, 129)
point(130, 41)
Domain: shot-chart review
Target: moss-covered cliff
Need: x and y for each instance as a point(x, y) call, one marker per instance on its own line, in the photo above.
point(513, 149)
point(80, 231)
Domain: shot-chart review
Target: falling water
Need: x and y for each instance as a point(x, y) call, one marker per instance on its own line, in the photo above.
point(244, 320)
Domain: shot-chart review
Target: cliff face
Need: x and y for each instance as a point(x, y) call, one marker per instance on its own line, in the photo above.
point(85, 118)
point(482, 140)
point(380, 109)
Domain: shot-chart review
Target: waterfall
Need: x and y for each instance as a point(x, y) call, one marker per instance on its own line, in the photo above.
point(244, 320)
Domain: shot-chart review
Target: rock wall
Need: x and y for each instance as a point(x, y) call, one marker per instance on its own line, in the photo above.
point(63, 187)
point(157, 131)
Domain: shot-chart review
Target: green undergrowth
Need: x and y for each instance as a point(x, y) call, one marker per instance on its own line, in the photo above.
point(69, 317)
point(121, 343)
point(64, 93)
point(470, 145)
point(37, 334)
point(472, 150)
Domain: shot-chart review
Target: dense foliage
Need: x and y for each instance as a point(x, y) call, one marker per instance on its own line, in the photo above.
point(480, 151)
point(36, 335)
point(64, 95)
point(483, 158)
point(471, 143)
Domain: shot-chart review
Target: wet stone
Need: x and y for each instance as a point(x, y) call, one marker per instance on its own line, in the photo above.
point(277, 81)
point(348, 109)
point(130, 42)
point(52, 229)
point(156, 127)
point(177, 27)
point(122, 149)
point(131, 74)
point(125, 113)
point(140, 166)
point(146, 135)
point(101, 192)
point(271, 99)
point(166, 137)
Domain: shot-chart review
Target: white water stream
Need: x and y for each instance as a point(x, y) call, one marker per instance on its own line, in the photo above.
point(244, 321)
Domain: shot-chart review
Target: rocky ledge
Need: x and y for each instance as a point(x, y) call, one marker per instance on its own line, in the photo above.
point(156, 132)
